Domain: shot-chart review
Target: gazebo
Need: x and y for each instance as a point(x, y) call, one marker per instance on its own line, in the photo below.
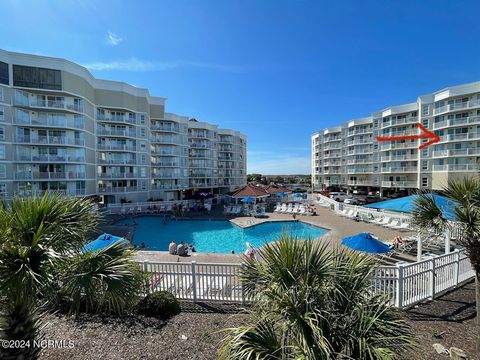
point(249, 190)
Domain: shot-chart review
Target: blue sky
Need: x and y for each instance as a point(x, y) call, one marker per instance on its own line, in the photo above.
point(275, 70)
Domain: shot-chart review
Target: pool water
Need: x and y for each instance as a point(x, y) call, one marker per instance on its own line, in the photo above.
point(215, 236)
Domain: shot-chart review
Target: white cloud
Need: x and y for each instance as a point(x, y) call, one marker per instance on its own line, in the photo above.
point(113, 39)
point(134, 64)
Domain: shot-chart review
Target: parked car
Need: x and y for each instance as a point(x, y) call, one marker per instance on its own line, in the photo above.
point(338, 196)
point(370, 199)
point(354, 201)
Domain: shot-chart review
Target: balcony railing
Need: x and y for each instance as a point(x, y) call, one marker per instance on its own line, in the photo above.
point(405, 169)
point(458, 106)
point(460, 137)
point(114, 132)
point(456, 152)
point(65, 192)
point(399, 158)
point(50, 104)
point(50, 140)
point(454, 122)
point(51, 122)
point(457, 167)
point(394, 122)
point(50, 158)
point(119, 175)
point(400, 184)
point(167, 128)
point(125, 189)
point(116, 161)
point(69, 175)
point(116, 118)
point(116, 147)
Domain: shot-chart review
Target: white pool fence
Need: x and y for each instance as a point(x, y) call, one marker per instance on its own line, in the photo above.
point(405, 284)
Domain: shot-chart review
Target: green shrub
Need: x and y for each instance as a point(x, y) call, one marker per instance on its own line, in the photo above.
point(159, 304)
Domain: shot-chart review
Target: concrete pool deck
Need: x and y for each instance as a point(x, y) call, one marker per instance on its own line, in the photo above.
point(338, 226)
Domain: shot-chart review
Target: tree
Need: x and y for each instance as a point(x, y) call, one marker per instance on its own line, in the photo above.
point(41, 265)
point(465, 193)
point(257, 178)
point(313, 303)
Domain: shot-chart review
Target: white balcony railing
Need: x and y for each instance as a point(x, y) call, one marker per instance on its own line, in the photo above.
point(458, 106)
point(49, 140)
point(456, 167)
point(400, 184)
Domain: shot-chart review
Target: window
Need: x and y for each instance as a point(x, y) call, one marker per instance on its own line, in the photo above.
point(425, 109)
point(142, 119)
point(143, 185)
point(2, 113)
point(3, 189)
point(424, 165)
point(40, 78)
point(424, 181)
point(143, 159)
point(2, 151)
point(143, 172)
point(1, 93)
point(3, 171)
point(142, 132)
point(3, 73)
point(143, 145)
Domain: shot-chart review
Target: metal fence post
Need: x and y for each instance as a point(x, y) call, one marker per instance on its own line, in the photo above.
point(432, 279)
point(400, 286)
point(194, 281)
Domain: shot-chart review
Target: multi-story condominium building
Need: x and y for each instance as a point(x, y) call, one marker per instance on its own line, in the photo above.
point(349, 156)
point(63, 130)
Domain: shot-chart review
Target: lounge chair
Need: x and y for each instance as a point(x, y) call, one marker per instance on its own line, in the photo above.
point(302, 210)
point(394, 224)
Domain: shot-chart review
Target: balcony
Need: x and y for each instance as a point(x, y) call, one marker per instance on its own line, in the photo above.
point(395, 122)
point(201, 145)
point(124, 189)
point(399, 184)
point(116, 119)
point(69, 175)
point(458, 106)
point(116, 161)
point(53, 122)
point(399, 145)
point(472, 120)
point(362, 170)
point(457, 152)
point(167, 187)
point(50, 158)
point(460, 137)
point(120, 147)
point(359, 161)
point(405, 169)
point(166, 128)
point(49, 140)
point(40, 193)
point(48, 104)
point(119, 175)
point(457, 167)
point(399, 158)
point(115, 132)
point(360, 182)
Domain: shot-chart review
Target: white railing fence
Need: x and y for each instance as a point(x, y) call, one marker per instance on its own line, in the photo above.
point(405, 284)
point(196, 281)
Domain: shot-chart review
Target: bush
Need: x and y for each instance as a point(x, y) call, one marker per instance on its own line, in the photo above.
point(159, 304)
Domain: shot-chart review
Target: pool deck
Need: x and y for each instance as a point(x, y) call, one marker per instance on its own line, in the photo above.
point(339, 227)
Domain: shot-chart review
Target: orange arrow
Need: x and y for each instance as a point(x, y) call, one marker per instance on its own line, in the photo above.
point(426, 134)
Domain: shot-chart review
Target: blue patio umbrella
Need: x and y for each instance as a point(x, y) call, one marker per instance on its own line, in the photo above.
point(248, 200)
point(297, 196)
point(365, 242)
point(103, 241)
point(281, 195)
point(407, 204)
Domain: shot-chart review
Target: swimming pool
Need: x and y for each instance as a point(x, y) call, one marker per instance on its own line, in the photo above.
point(215, 236)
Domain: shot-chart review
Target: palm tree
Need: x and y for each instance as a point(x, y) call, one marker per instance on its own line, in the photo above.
point(465, 193)
point(313, 303)
point(41, 262)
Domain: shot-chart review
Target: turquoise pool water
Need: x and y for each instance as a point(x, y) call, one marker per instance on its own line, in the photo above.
point(216, 236)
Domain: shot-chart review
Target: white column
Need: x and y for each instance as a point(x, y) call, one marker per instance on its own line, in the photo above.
point(419, 247)
point(448, 236)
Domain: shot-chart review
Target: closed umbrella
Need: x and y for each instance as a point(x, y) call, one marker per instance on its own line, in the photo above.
point(365, 242)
